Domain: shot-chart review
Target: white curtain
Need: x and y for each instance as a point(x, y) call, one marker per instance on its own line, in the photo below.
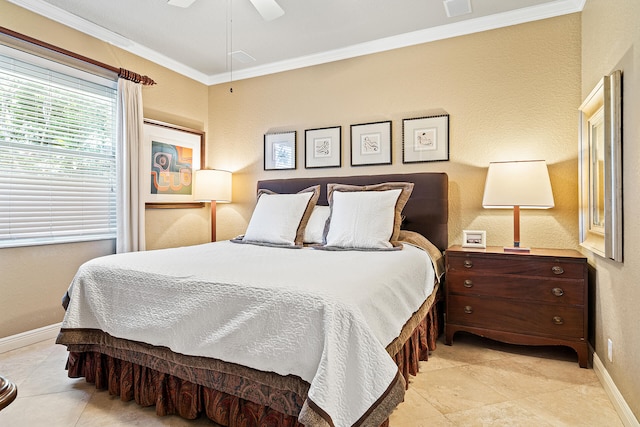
point(130, 203)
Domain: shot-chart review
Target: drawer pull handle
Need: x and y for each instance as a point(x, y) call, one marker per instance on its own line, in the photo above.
point(557, 292)
point(556, 269)
point(557, 320)
point(468, 283)
point(468, 263)
point(468, 309)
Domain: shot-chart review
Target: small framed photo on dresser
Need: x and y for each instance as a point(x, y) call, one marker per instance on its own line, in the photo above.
point(474, 239)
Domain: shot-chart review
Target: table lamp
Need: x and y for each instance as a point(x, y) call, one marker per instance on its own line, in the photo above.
point(518, 184)
point(211, 185)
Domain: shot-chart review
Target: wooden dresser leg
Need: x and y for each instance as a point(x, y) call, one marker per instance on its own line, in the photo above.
point(448, 335)
point(583, 355)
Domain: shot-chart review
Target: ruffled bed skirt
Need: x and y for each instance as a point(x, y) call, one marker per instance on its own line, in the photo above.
point(172, 395)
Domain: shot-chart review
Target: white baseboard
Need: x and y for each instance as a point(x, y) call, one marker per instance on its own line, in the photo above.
point(29, 337)
point(621, 406)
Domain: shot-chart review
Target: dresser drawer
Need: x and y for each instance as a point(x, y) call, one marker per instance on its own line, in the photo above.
point(558, 291)
point(511, 316)
point(517, 265)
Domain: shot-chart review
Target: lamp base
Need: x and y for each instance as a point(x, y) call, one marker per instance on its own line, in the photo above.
point(517, 249)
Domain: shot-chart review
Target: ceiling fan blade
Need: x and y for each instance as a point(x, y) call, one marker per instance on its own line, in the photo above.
point(180, 3)
point(269, 9)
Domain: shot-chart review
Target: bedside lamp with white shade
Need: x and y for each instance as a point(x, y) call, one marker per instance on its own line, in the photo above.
point(212, 185)
point(518, 185)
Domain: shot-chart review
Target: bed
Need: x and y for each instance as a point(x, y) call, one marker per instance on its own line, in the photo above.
point(304, 337)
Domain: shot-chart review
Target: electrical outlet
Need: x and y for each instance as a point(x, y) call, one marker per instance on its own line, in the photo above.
point(610, 350)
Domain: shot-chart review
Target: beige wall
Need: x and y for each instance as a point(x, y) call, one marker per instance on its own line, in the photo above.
point(511, 93)
point(33, 279)
point(611, 41)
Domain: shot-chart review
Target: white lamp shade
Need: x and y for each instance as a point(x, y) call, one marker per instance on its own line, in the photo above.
point(212, 184)
point(520, 183)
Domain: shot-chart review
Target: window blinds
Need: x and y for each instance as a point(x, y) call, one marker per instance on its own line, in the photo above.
point(57, 152)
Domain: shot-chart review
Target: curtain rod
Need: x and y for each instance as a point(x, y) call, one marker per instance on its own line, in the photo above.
point(121, 72)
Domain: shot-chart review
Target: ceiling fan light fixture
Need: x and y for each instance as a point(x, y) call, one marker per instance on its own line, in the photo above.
point(180, 3)
point(269, 9)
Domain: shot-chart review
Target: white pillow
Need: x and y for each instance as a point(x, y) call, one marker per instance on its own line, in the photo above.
point(276, 218)
point(315, 227)
point(362, 219)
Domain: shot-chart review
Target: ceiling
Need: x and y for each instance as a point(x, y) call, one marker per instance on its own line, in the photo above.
point(196, 41)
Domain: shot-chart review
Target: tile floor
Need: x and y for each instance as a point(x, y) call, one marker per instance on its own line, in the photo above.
point(475, 382)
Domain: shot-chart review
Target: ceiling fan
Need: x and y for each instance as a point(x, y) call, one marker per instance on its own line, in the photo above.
point(268, 9)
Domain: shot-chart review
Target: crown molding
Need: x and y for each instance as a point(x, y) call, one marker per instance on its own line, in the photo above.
point(70, 20)
point(62, 16)
point(461, 28)
point(519, 16)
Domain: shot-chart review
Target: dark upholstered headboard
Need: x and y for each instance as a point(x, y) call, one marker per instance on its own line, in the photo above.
point(426, 212)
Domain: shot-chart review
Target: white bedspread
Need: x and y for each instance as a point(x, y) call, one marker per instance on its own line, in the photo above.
point(323, 316)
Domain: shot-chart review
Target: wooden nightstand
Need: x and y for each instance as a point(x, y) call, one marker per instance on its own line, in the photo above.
point(536, 298)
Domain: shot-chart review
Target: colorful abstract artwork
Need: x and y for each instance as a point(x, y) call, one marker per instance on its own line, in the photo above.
point(171, 169)
point(170, 157)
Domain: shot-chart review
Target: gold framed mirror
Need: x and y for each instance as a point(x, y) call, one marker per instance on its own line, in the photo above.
point(600, 168)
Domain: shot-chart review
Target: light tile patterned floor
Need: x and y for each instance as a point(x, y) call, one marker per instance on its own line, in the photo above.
point(475, 382)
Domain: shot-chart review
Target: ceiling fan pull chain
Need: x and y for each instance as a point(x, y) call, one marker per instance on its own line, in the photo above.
point(229, 46)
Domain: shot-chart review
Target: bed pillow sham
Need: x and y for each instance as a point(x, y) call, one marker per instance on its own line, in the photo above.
point(280, 219)
point(366, 217)
point(314, 232)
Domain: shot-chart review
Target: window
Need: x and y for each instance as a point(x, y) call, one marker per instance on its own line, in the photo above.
point(57, 152)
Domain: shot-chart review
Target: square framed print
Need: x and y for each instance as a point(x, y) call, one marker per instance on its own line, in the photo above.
point(474, 239)
point(371, 144)
point(425, 139)
point(171, 155)
point(280, 151)
point(323, 147)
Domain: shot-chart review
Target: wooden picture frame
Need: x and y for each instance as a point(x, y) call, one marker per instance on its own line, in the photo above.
point(371, 144)
point(600, 169)
point(425, 139)
point(171, 155)
point(280, 151)
point(323, 147)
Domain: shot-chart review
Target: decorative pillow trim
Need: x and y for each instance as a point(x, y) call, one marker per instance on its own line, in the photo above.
point(314, 232)
point(315, 189)
point(240, 239)
point(405, 187)
point(396, 247)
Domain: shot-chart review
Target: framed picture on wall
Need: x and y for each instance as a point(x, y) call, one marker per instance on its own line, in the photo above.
point(323, 147)
point(280, 151)
point(171, 155)
point(425, 139)
point(371, 144)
